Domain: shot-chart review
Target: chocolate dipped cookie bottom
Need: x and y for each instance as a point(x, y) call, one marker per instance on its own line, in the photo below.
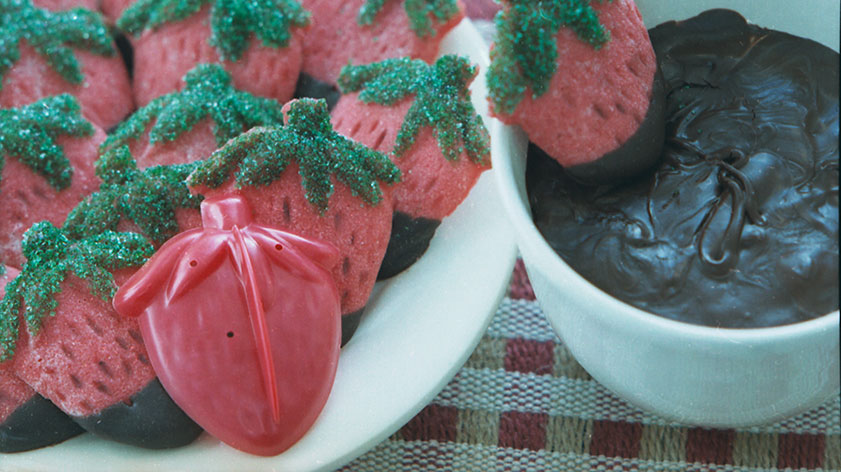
point(635, 156)
point(36, 423)
point(738, 225)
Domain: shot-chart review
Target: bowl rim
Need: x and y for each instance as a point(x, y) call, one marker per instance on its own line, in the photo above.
point(512, 191)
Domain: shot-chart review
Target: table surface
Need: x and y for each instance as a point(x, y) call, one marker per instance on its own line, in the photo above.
point(495, 415)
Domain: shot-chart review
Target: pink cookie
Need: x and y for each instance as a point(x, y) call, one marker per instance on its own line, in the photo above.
point(601, 113)
point(102, 83)
point(427, 125)
point(163, 54)
point(27, 420)
point(337, 38)
point(29, 196)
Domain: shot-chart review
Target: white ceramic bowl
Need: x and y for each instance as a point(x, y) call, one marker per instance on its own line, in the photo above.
point(687, 373)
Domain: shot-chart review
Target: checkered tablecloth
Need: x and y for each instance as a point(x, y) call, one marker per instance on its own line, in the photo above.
point(522, 402)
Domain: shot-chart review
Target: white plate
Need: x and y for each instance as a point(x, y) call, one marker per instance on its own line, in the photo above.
point(418, 330)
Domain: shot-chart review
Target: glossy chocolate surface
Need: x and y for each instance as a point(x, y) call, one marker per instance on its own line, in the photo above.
point(738, 225)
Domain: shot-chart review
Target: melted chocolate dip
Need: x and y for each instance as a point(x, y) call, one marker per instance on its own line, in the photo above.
point(738, 225)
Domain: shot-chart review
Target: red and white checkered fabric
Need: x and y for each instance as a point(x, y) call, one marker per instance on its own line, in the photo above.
point(522, 402)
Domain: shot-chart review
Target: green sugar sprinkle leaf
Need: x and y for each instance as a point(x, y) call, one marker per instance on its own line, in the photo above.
point(52, 35)
point(441, 101)
point(260, 156)
point(525, 54)
point(207, 93)
point(420, 13)
point(151, 14)
point(148, 197)
point(51, 256)
point(232, 22)
point(29, 133)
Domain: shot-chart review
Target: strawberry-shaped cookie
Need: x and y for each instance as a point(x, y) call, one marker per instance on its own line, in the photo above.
point(236, 296)
point(307, 179)
point(422, 116)
point(258, 42)
point(188, 125)
point(47, 152)
point(63, 338)
point(48, 53)
point(581, 79)
point(365, 31)
point(27, 420)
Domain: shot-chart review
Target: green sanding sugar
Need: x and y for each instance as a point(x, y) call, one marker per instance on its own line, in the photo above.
point(525, 55)
point(149, 198)
point(418, 11)
point(260, 156)
point(232, 22)
point(51, 256)
point(208, 93)
point(52, 35)
point(29, 134)
point(88, 245)
point(441, 101)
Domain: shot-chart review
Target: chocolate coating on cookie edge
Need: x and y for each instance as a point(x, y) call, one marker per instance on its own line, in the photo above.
point(34, 424)
point(636, 155)
point(409, 239)
point(150, 420)
point(350, 322)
